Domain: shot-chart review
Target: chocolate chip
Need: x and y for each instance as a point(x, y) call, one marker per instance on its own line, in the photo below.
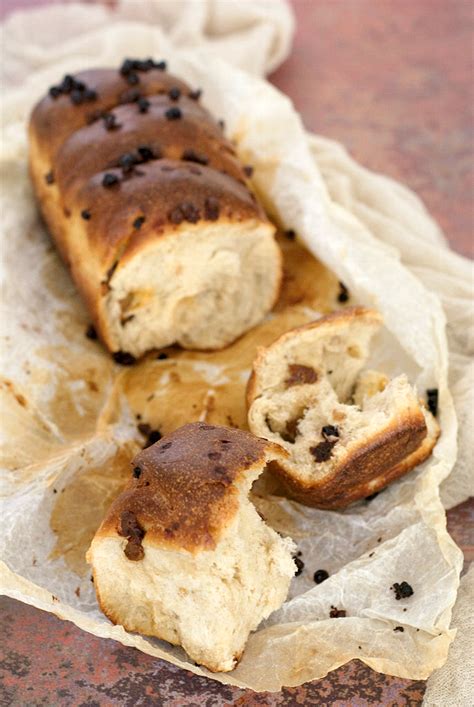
point(127, 162)
point(299, 375)
point(132, 79)
point(137, 472)
point(131, 95)
point(90, 94)
point(190, 212)
point(85, 214)
point(320, 576)
point(195, 95)
point(110, 121)
point(91, 332)
point(143, 105)
point(399, 628)
point(139, 221)
point(152, 437)
point(432, 398)
point(299, 566)
point(55, 92)
point(127, 66)
point(402, 590)
point(174, 93)
point(131, 529)
point(192, 156)
point(336, 613)
point(248, 170)
point(49, 178)
point(343, 295)
point(77, 97)
point(330, 432)
point(211, 208)
point(161, 65)
point(146, 153)
point(291, 235)
point(110, 180)
point(67, 84)
point(173, 113)
point(124, 358)
point(322, 451)
point(162, 356)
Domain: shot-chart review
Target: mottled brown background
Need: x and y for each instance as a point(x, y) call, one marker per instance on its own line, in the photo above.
point(392, 80)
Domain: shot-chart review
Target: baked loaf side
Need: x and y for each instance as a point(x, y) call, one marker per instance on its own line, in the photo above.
point(348, 432)
point(183, 555)
point(151, 210)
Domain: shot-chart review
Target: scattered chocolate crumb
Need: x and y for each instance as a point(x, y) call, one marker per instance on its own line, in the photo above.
point(195, 95)
point(211, 208)
point(290, 234)
point(174, 93)
point(336, 613)
point(173, 113)
point(55, 491)
point(91, 332)
point(86, 214)
point(432, 398)
point(299, 553)
point(322, 451)
point(343, 295)
point(372, 496)
point(110, 180)
point(77, 591)
point(153, 436)
point(124, 358)
point(299, 565)
point(299, 375)
point(131, 529)
point(139, 221)
point(371, 554)
point(320, 576)
point(49, 178)
point(137, 472)
point(192, 156)
point(146, 153)
point(379, 540)
point(143, 105)
point(399, 628)
point(248, 170)
point(221, 124)
point(405, 610)
point(402, 590)
point(161, 356)
point(359, 647)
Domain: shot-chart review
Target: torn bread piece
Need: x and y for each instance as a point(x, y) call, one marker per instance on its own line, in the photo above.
point(348, 432)
point(183, 555)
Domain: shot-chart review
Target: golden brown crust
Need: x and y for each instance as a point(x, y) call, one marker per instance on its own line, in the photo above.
point(371, 466)
point(187, 492)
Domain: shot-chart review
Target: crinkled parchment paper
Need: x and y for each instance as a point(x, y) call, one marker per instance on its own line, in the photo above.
point(69, 413)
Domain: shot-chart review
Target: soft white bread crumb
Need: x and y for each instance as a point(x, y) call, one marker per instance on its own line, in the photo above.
point(348, 432)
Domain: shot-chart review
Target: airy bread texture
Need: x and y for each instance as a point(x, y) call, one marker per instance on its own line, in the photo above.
point(151, 211)
point(348, 432)
point(182, 553)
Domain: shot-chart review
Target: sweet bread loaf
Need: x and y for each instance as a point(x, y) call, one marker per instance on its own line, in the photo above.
point(151, 210)
point(348, 432)
point(182, 553)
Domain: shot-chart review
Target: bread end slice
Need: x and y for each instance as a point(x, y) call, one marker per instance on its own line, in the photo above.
point(183, 555)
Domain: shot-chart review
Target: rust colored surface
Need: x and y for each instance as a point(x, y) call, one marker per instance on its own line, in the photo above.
point(391, 80)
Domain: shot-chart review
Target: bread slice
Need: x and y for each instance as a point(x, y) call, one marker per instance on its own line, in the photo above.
point(348, 432)
point(182, 553)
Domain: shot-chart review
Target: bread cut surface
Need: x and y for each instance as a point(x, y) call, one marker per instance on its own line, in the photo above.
point(348, 431)
point(152, 212)
point(183, 555)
